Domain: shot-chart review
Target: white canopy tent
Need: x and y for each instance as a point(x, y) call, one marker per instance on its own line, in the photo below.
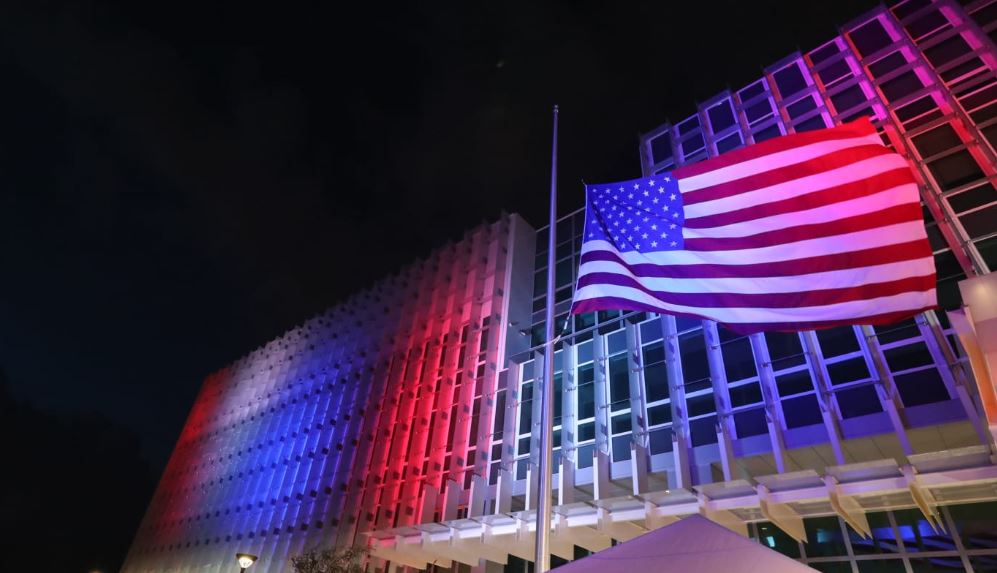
point(693, 544)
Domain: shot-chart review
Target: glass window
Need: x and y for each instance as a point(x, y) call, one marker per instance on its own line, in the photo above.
point(586, 432)
point(585, 350)
point(526, 408)
point(650, 331)
point(937, 565)
point(617, 342)
point(721, 116)
point(785, 349)
point(752, 91)
point(656, 382)
point(661, 147)
point(621, 448)
point(927, 23)
point(699, 405)
point(586, 401)
point(558, 386)
point(975, 197)
point(693, 144)
point(750, 423)
point(703, 431)
point(955, 170)
point(833, 567)
point(824, 52)
point(745, 394)
point(858, 401)
point(790, 80)
point(661, 414)
point(692, 347)
point(979, 222)
point(801, 411)
point(824, 537)
point(774, 538)
point(739, 362)
point(917, 535)
point(882, 566)
point(654, 353)
point(907, 356)
point(848, 371)
point(837, 341)
point(890, 63)
point(922, 387)
point(870, 37)
point(794, 383)
point(940, 139)
point(835, 71)
point(621, 423)
point(848, 98)
point(688, 125)
point(767, 133)
point(660, 440)
point(619, 382)
point(883, 540)
point(800, 108)
point(729, 143)
point(759, 110)
point(499, 412)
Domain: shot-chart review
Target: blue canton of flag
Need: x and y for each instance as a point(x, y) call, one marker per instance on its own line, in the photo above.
point(642, 215)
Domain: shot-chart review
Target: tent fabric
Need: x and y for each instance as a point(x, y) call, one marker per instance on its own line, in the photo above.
point(693, 544)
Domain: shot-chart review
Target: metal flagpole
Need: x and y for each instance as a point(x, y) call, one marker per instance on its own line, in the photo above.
point(542, 554)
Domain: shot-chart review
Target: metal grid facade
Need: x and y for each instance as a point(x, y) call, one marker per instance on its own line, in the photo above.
point(360, 418)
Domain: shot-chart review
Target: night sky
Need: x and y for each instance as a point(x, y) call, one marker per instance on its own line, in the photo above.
point(183, 182)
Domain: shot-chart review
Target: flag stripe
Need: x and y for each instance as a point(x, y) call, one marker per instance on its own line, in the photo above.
point(838, 278)
point(853, 308)
point(832, 161)
point(878, 237)
point(827, 214)
point(594, 304)
point(862, 170)
point(863, 222)
point(821, 297)
point(890, 253)
point(771, 148)
point(812, 200)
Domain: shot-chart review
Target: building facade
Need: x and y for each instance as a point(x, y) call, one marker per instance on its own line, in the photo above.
point(854, 449)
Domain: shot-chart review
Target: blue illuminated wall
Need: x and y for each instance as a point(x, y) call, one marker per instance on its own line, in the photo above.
point(369, 415)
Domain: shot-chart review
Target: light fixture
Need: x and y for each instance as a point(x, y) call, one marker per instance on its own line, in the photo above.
point(245, 560)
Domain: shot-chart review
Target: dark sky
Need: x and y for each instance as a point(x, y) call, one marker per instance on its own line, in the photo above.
point(181, 182)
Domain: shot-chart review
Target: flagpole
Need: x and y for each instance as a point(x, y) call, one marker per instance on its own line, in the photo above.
point(542, 554)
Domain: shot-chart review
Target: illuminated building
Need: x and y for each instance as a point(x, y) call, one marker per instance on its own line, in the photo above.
point(406, 413)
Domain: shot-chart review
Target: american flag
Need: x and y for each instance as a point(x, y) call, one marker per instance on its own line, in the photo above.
point(805, 231)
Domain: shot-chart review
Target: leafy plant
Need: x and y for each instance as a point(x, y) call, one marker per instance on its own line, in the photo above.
point(346, 560)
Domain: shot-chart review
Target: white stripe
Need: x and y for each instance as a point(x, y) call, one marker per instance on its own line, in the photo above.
point(844, 243)
point(840, 311)
point(774, 161)
point(899, 195)
point(847, 174)
point(799, 283)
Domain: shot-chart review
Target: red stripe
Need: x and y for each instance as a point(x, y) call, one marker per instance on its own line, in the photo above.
point(853, 190)
point(616, 303)
point(815, 297)
point(910, 250)
point(857, 128)
point(833, 160)
point(889, 216)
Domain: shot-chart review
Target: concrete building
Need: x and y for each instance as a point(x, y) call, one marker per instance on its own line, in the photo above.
point(404, 417)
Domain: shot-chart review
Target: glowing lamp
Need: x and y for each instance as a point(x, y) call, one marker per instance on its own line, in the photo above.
point(245, 560)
